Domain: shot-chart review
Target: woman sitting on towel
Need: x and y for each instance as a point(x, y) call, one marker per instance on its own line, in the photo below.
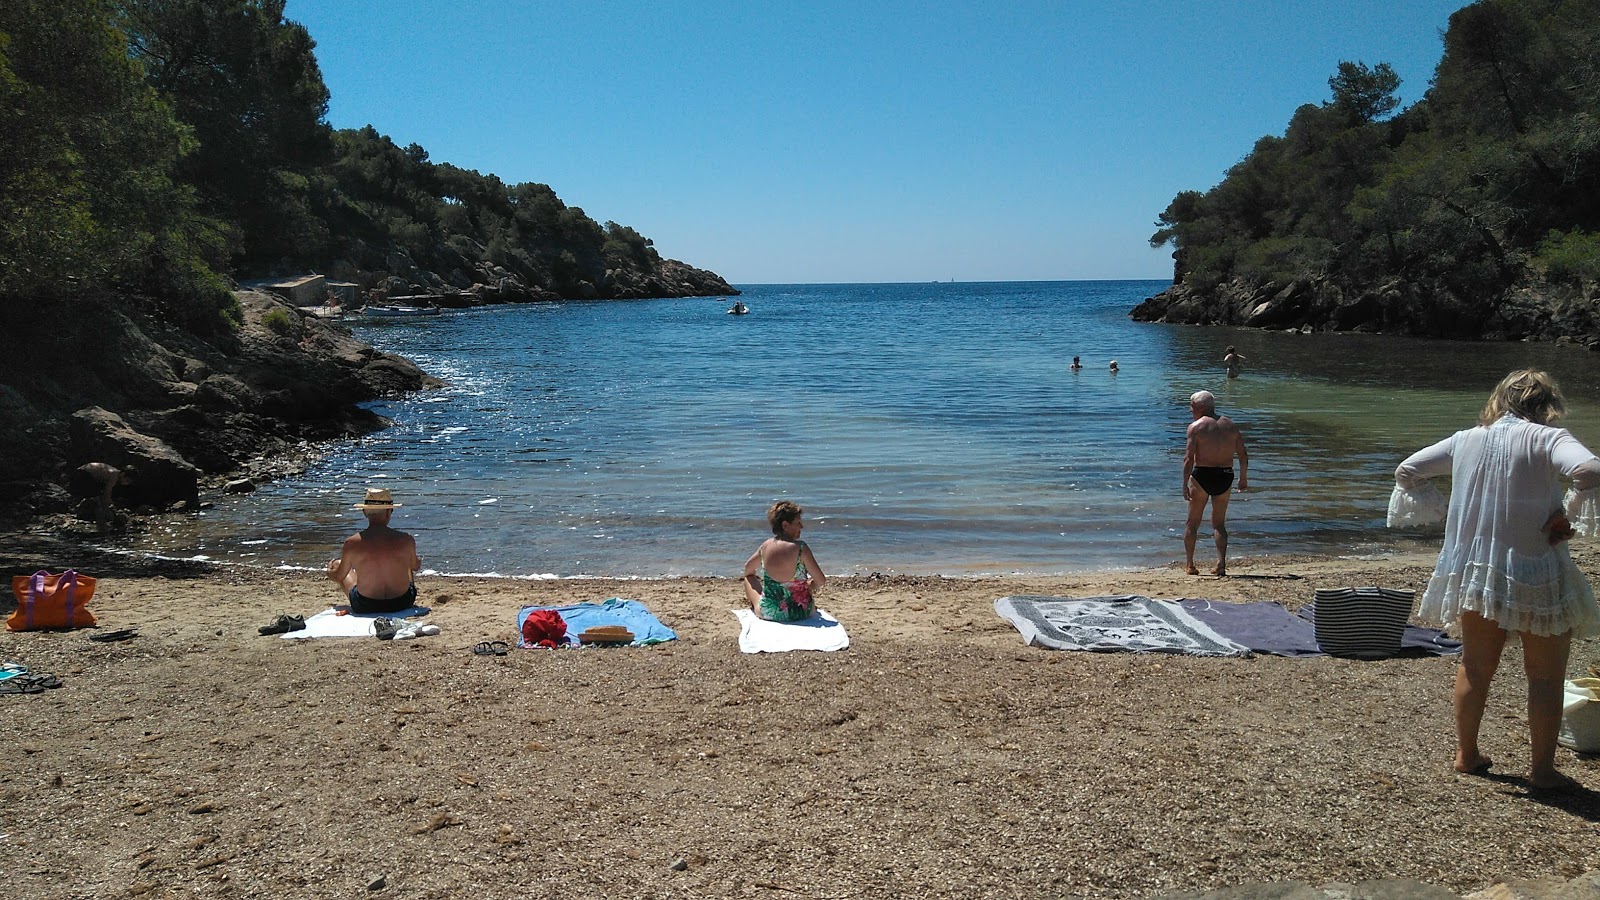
point(1504, 566)
point(795, 598)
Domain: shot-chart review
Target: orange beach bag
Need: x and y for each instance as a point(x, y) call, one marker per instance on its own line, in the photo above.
point(51, 601)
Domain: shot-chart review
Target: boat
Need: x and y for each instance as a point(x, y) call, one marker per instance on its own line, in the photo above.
point(398, 312)
point(738, 309)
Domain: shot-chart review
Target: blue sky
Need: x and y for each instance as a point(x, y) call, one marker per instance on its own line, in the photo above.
point(860, 141)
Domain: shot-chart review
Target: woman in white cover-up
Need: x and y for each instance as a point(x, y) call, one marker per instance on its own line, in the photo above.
point(1504, 566)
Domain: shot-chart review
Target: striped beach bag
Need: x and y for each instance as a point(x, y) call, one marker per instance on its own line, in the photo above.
point(1363, 622)
point(51, 601)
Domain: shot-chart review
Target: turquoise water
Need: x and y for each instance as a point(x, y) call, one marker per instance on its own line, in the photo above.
point(930, 428)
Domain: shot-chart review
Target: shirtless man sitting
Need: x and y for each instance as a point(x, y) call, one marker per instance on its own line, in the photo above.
point(376, 564)
point(1212, 443)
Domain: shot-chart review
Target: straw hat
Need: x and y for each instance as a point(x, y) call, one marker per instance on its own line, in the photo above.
point(377, 498)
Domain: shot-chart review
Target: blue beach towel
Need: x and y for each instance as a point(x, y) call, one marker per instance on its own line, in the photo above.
point(1269, 628)
point(630, 614)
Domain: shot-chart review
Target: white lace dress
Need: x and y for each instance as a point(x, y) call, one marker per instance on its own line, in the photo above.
point(1497, 561)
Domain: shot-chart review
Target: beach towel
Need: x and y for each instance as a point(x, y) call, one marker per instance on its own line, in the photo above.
point(820, 631)
point(329, 623)
point(1269, 628)
point(630, 614)
point(1263, 627)
point(1128, 622)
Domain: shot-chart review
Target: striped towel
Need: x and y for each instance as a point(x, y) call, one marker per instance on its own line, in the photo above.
point(1364, 622)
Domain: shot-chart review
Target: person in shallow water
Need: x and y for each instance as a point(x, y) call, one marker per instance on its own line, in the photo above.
point(1504, 565)
point(787, 557)
point(1212, 443)
point(376, 564)
point(1232, 361)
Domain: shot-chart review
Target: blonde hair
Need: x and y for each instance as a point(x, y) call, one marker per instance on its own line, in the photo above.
point(1527, 393)
point(781, 512)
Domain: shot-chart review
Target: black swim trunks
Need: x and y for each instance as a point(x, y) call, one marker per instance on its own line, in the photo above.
point(1214, 480)
point(360, 604)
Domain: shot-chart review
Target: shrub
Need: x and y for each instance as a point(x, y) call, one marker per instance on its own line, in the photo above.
point(279, 321)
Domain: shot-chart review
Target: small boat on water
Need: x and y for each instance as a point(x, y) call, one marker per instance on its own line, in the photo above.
point(738, 309)
point(398, 312)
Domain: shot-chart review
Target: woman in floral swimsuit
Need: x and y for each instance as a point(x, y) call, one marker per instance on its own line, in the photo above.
point(783, 601)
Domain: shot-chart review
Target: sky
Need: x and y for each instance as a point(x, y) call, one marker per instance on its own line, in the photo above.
point(862, 141)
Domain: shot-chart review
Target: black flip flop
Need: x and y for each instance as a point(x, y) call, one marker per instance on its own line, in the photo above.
point(20, 684)
point(122, 634)
point(491, 648)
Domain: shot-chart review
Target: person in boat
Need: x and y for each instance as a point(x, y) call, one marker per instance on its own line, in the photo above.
point(739, 308)
point(376, 565)
point(1232, 361)
point(1113, 367)
point(789, 558)
point(1209, 448)
point(1505, 565)
point(1076, 365)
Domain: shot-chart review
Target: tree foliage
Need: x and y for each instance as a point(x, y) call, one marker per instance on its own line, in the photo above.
point(148, 148)
point(1491, 181)
point(88, 154)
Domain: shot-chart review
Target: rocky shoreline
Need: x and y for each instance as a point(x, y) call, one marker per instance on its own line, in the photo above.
point(183, 411)
point(1311, 304)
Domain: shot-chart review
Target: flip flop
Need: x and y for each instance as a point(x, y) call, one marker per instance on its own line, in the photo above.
point(20, 685)
point(122, 634)
point(491, 648)
point(45, 681)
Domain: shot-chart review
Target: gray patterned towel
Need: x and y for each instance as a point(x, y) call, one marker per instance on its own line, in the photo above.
point(1129, 622)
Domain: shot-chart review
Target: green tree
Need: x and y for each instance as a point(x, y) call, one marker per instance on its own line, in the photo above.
point(246, 81)
point(87, 153)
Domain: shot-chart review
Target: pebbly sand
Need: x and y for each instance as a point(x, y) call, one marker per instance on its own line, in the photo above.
point(937, 757)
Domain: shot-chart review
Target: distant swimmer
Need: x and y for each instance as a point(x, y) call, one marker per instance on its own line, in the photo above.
point(1113, 367)
point(1232, 361)
point(1075, 364)
point(1212, 443)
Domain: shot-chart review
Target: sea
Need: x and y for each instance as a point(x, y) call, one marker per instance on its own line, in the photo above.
point(925, 428)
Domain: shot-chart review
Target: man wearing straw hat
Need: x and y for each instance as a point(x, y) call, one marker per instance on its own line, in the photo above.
point(377, 562)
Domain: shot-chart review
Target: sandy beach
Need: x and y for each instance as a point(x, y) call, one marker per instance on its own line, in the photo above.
point(937, 757)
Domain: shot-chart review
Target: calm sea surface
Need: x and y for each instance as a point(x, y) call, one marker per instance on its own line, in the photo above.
point(925, 428)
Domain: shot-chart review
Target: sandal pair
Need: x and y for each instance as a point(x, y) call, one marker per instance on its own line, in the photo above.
point(29, 684)
point(491, 648)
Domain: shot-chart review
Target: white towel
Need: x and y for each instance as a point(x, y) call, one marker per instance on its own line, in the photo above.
point(819, 632)
point(329, 623)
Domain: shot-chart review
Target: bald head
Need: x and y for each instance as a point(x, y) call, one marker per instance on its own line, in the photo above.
point(1203, 401)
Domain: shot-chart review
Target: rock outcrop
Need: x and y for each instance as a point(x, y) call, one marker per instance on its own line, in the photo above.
point(461, 278)
point(1395, 307)
point(184, 411)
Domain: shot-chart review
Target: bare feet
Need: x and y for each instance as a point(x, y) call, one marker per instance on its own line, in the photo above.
point(1220, 570)
point(1479, 765)
point(1192, 570)
point(1551, 783)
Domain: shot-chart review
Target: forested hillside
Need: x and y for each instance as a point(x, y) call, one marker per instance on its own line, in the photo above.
point(152, 153)
point(1474, 212)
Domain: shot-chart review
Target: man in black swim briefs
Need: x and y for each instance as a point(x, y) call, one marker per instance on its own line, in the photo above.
point(1212, 443)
